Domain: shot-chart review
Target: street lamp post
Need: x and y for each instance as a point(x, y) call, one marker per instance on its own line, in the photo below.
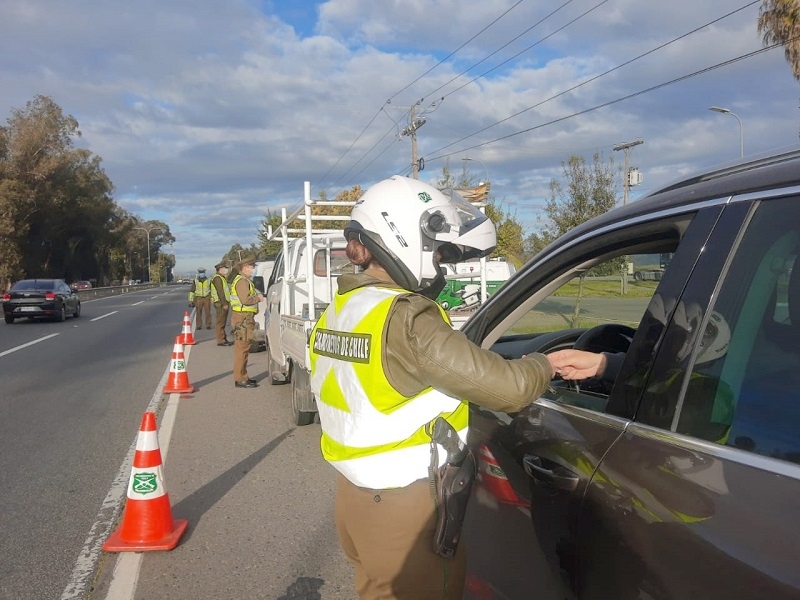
point(726, 111)
point(147, 231)
point(484, 166)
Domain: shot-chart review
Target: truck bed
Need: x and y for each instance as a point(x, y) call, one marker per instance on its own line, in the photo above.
point(294, 339)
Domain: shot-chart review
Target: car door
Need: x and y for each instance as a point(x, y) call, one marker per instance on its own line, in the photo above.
point(698, 497)
point(523, 524)
point(68, 297)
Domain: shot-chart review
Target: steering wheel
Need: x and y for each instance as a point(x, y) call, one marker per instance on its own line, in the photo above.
point(609, 337)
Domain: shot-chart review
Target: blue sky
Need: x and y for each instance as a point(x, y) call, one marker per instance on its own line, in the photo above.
point(208, 114)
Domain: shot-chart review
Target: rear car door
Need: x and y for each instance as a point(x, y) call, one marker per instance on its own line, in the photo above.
point(698, 497)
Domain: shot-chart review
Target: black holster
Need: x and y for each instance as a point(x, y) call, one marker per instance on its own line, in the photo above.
point(453, 488)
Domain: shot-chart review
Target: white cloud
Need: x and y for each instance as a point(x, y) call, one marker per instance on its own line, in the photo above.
point(206, 114)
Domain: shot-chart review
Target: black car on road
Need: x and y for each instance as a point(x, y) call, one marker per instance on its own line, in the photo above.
point(31, 298)
point(679, 475)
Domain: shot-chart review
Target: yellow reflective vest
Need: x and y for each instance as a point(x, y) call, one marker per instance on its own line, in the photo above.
point(202, 288)
point(371, 433)
point(236, 303)
point(225, 288)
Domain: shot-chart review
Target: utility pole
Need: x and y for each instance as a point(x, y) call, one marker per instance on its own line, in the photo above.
point(626, 185)
point(414, 123)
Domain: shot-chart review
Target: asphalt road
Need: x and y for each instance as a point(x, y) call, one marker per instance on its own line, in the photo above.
point(254, 488)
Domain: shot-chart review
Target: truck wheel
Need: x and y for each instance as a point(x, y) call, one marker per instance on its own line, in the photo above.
point(637, 275)
point(301, 398)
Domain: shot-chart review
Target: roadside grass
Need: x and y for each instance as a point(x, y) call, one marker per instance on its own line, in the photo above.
point(606, 288)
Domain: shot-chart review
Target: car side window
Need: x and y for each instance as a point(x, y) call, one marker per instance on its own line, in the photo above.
point(277, 269)
point(756, 356)
point(339, 262)
point(743, 355)
point(596, 301)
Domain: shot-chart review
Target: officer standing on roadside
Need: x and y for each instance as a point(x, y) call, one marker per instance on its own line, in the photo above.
point(200, 297)
point(221, 296)
point(244, 306)
point(387, 368)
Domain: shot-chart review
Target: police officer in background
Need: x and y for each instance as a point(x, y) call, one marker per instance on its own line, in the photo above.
point(221, 296)
point(386, 364)
point(200, 297)
point(244, 306)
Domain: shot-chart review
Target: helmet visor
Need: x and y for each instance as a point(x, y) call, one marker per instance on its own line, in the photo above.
point(447, 223)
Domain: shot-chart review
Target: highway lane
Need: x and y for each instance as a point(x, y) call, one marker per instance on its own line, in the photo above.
point(71, 399)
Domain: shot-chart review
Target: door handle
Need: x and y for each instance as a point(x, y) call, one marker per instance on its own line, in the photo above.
point(559, 477)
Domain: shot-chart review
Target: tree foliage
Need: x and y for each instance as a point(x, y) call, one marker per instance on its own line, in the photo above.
point(57, 214)
point(779, 23)
point(587, 190)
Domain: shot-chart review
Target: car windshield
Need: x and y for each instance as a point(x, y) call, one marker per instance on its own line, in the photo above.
point(33, 284)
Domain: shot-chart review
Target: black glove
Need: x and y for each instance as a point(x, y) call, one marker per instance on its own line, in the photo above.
point(191, 304)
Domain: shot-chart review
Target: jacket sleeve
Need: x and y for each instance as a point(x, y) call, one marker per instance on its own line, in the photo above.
point(422, 350)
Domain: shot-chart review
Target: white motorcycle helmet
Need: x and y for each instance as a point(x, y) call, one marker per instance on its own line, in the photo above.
point(405, 222)
point(715, 337)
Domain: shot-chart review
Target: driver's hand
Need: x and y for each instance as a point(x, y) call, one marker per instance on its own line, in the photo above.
point(577, 364)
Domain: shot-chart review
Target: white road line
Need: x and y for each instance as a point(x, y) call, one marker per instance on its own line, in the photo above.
point(126, 571)
point(47, 337)
point(113, 312)
point(138, 303)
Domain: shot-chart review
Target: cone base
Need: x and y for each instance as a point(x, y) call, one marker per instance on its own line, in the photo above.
point(114, 543)
point(178, 390)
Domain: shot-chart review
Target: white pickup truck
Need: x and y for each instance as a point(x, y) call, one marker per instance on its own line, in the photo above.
point(302, 284)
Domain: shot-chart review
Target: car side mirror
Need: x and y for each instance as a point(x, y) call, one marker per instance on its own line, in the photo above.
point(258, 282)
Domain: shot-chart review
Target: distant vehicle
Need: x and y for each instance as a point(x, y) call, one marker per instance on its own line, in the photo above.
point(33, 298)
point(653, 273)
point(81, 285)
point(463, 287)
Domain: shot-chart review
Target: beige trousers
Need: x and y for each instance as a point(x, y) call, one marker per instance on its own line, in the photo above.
point(242, 326)
point(202, 312)
point(388, 537)
point(221, 321)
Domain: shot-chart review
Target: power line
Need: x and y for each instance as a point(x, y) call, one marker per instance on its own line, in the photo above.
point(453, 53)
point(615, 101)
point(591, 79)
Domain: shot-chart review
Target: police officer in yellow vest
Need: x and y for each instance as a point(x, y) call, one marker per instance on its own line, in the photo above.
point(221, 297)
point(385, 364)
point(200, 298)
point(244, 306)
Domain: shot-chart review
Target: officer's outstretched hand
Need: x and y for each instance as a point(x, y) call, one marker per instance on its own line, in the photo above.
point(191, 304)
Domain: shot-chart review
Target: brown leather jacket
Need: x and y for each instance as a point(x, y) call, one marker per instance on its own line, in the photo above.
point(423, 351)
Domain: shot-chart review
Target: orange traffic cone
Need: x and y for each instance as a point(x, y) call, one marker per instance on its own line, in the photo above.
point(178, 380)
point(147, 523)
point(494, 479)
point(187, 339)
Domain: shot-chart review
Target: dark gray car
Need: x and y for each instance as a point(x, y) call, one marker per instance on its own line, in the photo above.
point(31, 298)
point(679, 477)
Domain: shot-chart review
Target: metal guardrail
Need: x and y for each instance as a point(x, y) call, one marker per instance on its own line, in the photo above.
point(117, 290)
